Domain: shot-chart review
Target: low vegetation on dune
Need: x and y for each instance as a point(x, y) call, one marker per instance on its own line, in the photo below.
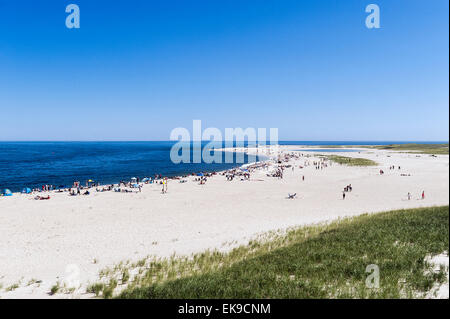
point(351, 161)
point(416, 148)
point(320, 261)
point(437, 149)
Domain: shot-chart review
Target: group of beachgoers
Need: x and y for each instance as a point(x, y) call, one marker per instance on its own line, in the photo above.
point(135, 185)
point(320, 165)
point(347, 188)
point(422, 195)
point(244, 172)
point(277, 167)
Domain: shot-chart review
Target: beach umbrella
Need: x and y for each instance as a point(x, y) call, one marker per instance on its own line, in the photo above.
point(6, 192)
point(26, 190)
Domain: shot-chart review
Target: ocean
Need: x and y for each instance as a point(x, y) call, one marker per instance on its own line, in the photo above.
point(32, 164)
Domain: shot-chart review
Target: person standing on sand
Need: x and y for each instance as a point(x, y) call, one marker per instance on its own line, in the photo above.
point(423, 194)
point(409, 196)
point(343, 195)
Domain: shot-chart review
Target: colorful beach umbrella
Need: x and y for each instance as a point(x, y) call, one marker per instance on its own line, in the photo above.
point(6, 192)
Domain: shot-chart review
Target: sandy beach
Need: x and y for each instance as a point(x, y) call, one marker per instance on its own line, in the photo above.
point(42, 240)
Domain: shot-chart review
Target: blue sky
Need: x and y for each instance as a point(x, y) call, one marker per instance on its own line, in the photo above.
point(137, 69)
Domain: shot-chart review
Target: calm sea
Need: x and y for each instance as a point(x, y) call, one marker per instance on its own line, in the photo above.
point(32, 164)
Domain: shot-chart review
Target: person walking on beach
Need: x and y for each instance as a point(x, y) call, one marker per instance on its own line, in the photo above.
point(423, 194)
point(303, 178)
point(409, 196)
point(343, 195)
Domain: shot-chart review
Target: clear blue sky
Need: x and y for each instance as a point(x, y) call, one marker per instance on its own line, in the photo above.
point(137, 69)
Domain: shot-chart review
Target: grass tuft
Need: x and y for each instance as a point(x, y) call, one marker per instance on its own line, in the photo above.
point(55, 288)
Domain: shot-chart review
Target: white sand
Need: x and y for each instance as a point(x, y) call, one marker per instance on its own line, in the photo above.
point(39, 239)
point(438, 262)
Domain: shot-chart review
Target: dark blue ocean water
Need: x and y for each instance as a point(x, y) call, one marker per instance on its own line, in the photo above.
point(32, 164)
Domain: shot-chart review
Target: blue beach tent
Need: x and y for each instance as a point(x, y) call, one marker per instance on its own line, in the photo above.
point(6, 192)
point(26, 190)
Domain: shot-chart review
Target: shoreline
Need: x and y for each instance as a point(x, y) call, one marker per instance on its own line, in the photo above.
point(334, 145)
point(170, 176)
point(249, 151)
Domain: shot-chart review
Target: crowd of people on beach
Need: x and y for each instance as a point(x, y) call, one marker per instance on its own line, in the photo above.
point(275, 167)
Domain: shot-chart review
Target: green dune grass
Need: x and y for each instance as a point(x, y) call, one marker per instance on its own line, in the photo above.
point(351, 161)
point(437, 149)
point(321, 261)
point(416, 148)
